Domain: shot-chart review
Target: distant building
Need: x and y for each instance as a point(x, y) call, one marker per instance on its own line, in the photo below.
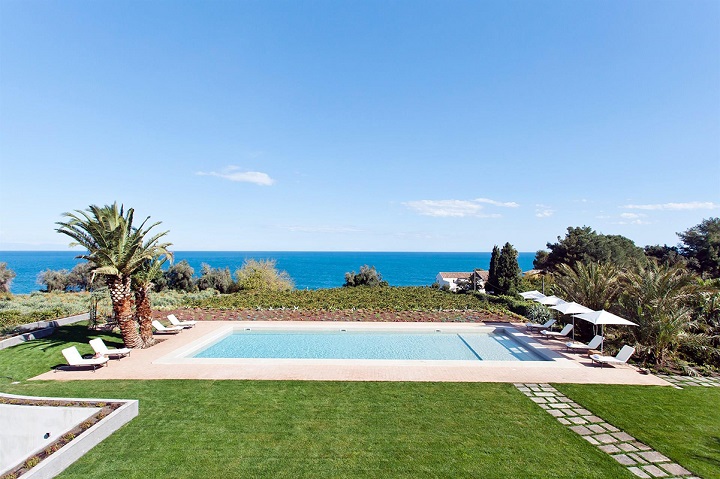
point(451, 280)
point(532, 272)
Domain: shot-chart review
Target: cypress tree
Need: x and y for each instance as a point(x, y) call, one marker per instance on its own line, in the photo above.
point(508, 271)
point(492, 272)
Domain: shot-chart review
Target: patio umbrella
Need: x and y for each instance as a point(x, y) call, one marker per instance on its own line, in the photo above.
point(534, 294)
point(603, 317)
point(572, 308)
point(550, 300)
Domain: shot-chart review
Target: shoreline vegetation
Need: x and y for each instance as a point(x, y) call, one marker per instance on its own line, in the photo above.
point(359, 303)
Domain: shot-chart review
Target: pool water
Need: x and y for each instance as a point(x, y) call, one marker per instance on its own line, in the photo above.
point(482, 346)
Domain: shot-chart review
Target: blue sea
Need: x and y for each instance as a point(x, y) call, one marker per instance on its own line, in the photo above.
point(309, 270)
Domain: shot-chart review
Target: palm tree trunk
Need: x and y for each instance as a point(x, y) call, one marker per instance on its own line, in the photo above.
point(143, 314)
point(122, 300)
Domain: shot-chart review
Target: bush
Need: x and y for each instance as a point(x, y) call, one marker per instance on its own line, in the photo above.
point(53, 280)
point(368, 276)
point(215, 278)
point(6, 277)
point(81, 278)
point(262, 275)
point(538, 313)
point(179, 277)
point(517, 306)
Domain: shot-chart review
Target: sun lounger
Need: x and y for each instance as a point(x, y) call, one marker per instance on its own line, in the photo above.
point(621, 357)
point(176, 322)
point(593, 344)
point(99, 347)
point(539, 327)
point(555, 334)
point(73, 358)
point(159, 328)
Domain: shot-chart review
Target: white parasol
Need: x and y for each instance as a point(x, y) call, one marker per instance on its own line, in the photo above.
point(534, 294)
point(603, 317)
point(550, 300)
point(572, 308)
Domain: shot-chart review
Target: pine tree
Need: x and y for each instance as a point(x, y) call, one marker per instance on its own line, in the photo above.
point(492, 273)
point(508, 271)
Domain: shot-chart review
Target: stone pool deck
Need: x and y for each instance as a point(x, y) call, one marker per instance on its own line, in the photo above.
point(162, 362)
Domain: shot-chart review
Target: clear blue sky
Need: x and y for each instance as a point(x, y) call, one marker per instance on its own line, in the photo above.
point(361, 125)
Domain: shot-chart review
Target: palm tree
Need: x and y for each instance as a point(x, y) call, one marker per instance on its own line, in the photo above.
point(117, 250)
point(593, 285)
point(142, 282)
point(659, 298)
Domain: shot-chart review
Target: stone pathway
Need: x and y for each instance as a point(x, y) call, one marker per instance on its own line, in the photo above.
point(639, 458)
point(684, 381)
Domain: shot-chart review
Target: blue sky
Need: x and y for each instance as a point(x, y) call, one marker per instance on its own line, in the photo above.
point(361, 125)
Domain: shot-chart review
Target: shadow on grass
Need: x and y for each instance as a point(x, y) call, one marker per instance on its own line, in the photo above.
point(35, 357)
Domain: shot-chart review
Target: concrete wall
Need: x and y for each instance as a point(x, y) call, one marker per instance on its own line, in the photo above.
point(71, 452)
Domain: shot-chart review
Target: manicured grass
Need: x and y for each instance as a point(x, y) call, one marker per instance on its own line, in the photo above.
point(279, 429)
point(684, 425)
point(40, 355)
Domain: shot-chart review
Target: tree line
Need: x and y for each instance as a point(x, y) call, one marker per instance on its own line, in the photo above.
point(671, 292)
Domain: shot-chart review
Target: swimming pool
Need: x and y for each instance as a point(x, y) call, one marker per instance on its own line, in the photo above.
point(487, 345)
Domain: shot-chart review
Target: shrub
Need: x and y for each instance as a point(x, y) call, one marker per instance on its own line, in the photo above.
point(6, 277)
point(81, 278)
point(262, 275)
point(368, 276)
point(53, 280)
point(537, 313)
point(517, 306)
point(215, 278)
point(180, 277)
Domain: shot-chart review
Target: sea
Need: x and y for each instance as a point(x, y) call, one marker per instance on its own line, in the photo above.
point(308, 269)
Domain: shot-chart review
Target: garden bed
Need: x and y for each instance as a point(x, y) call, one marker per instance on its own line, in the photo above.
point(367, 315)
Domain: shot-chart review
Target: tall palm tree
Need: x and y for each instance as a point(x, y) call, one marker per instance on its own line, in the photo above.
point(117, 249)
point(593, 285)
point(659, 298)
point(142, 282)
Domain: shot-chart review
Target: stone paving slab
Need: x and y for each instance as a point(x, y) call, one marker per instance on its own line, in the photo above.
point(639, 458)
point(685, 381)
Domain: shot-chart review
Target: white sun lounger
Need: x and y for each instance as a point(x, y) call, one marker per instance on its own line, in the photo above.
point(555, 334)
point(73, 358)
point(159, 328)
point(176, 322)
point(621, 357)
point(99, 346)
point(537, 326)
point(593, 344)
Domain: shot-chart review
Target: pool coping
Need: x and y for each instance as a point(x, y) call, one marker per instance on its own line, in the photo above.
point(147, 364)
point(181, 355)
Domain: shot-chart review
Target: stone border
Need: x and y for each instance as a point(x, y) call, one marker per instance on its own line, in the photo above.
point(44, 329)
point(639, 458)
point(60, 460)
point(685, 381)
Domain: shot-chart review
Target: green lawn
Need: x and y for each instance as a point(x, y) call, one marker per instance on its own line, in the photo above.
point(333, 429)
point(682, 424)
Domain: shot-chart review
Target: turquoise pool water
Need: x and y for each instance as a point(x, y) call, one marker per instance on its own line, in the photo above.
point(490, 346)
